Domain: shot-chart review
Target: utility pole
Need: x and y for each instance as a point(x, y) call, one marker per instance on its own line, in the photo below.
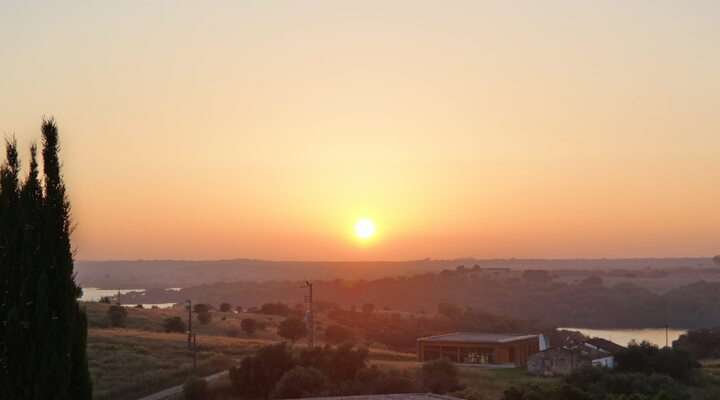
point(188, 303)
point(194, 345)
point(310, 316)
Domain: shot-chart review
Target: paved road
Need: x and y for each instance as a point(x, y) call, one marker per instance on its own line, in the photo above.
point(176, 390)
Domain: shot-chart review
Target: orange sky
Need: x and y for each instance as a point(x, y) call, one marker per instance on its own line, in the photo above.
point(266, 129)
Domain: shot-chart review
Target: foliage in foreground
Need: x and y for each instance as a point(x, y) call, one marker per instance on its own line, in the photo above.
point(43, 330)
point(195, 389)
point(328, 371)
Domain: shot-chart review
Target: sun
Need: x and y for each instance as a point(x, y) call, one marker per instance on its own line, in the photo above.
point(364, 228)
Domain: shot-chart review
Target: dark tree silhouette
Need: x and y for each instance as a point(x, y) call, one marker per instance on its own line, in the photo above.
point(249, 326)
point(292, 329)
point(43, 331)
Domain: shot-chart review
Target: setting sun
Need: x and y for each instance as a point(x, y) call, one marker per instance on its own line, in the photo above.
point(364, 228)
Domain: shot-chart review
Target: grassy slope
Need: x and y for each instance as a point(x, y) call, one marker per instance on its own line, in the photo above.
point(140, 358)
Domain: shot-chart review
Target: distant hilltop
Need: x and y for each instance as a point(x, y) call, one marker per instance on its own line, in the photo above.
point(183, 273)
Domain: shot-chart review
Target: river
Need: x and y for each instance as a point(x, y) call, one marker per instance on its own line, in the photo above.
point(95, 294)
point(624, 336)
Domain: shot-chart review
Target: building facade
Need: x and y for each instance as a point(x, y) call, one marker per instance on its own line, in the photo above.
point(480, 348)
point(564, 360)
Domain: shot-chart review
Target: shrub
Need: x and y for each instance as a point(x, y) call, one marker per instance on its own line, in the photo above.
point(201, 308)
point(281, 309)
point(174, 324)
point(300, 382)
point(336, 334)
point(204, 317)
point(117, 315)
point(647, 358)
point(292, 329)
point(394, 381)
point(439, 376)
point(233, 331)
point(338, 364)
point(259, 373)
point(249, 326)
point(225, 307)
point(195, 389)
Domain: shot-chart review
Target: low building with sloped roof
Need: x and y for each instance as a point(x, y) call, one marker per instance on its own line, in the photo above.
point(491, 349)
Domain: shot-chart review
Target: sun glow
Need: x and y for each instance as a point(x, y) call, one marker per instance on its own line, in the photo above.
point(364, 228)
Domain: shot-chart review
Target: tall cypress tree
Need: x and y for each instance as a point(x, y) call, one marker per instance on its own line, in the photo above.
point(68, 364)
point(43, 330)
point(10, 270)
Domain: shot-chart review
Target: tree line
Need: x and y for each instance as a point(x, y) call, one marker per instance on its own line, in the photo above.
point(43, 330)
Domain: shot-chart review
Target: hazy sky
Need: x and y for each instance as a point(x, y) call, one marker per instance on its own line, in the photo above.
point(264, 129)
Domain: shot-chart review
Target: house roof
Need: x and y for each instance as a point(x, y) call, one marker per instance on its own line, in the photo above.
point(605, 345)
point(579, 351)
point(403, 396)
point(477, 337)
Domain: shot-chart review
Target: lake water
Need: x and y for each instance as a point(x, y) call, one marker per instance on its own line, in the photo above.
point(95, 294)
point(624, 336)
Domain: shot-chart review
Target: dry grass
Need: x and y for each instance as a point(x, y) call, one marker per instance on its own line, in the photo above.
point(152, 320)
point(129, 363)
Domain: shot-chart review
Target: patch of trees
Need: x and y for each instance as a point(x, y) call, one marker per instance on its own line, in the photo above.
point(530, 295)
point(202, 308)
point(643, 372)
point(249, 326)
point(701, 343)
point(292, 329)
point(225, 307)
point(400, 333)
point(601, 384)
point(204, 317)
point(649, 359)
point(280, 309)
point(337, 334)
point(278, 372)
point(117, 315)
point(43, 330)
point(174, 324)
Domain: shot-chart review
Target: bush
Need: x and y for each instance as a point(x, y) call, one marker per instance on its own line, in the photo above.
point(439, 376)
point(232, 332)
point(647, 358)
point(336, 334)
point(174, 324)
point(259, 373)
point(339, 364)
point(300, 382)
point(201, 308)
point(225, 307)
point(249, 326)
point(204, 317)
point(195, 389)
point(292, 329)
point(117, 315)
point(281, 309)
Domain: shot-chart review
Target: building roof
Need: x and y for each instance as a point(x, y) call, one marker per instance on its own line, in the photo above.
point(403, 396)
point(605, 345)
point(477, 337)
point(586, 353)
